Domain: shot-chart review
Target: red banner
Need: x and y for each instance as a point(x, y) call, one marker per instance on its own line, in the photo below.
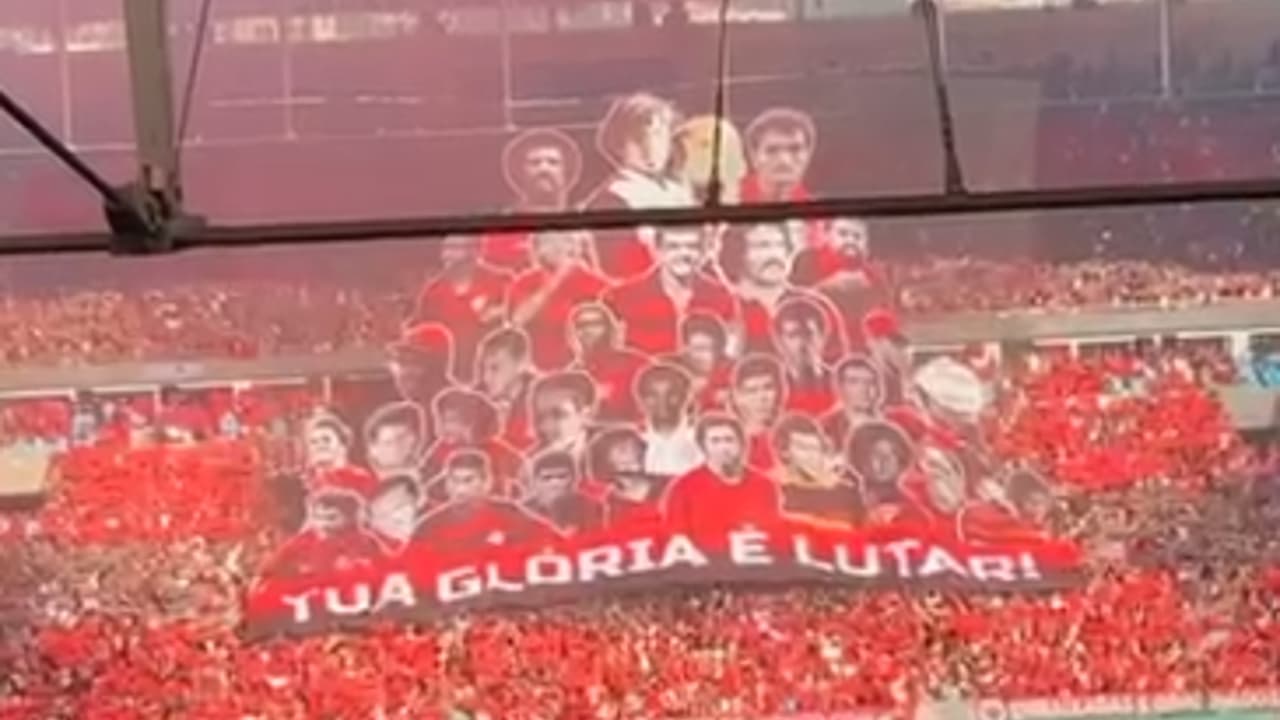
point(427, 580)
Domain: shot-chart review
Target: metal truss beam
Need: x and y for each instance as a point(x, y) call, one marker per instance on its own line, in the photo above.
point(151, 82)
point(882, 207)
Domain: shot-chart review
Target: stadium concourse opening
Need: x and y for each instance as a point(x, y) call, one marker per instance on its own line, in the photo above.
point(735, 399)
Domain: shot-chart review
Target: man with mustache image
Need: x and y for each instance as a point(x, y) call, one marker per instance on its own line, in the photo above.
point(758, 258)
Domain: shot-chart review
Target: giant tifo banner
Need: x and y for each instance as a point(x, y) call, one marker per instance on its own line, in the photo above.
point(567, 414)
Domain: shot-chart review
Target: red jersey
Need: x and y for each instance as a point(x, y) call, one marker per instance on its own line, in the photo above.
point(548, 328)
point(347, 477)
point(750, 192)
point(504, 462)
point(484, 523)
point(310, 552)
point(634, 516)
point(652, 319)
point(510, 251)
point(992, 524)
point(614, 371)
point(760, 452)
point(701, 501)
point(813, 395)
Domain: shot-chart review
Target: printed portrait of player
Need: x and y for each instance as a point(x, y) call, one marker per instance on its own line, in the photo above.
point(542, 166)
point(465, 420)
point(725, 492)
point(801, 329)
point(704, 354)
point(887, 347)
point(632, 497)
point(780, 146)
point(693, 161)
point(1022, 510)
point(757, 400)
point(332, 538)
point(421, 362)
point(563, 408)
point(596, 341)
point(636, 138)
point(395, 439)
point(938, 488)
point(471, 519)
point(394, 510)
point(651, 306)
point(816, 486)
point(553, 495)
point(328, 447)
point(880, 454)
point(467, 295)
point(861, 396)
point(506, 377)
point(662, 392)
point(542, 299)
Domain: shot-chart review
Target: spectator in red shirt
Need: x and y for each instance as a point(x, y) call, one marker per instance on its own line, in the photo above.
point(757, 400)
point(506, 378)
point(395, 439)
point(471, 519)
point(542, 300)
point(465, 420)
point(595, 339)
point(802, 330)
point(725, 493)
point(541, 166)
point(758, 259)
point(466, 295)
point(704, 354)
point(552, 494)
point(861, 392)
point(632, 497)
point(652, 306)
point(636, 138)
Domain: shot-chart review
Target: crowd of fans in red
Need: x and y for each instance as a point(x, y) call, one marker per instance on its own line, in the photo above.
point(120, 595)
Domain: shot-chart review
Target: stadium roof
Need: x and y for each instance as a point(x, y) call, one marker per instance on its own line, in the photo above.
point(338, 111)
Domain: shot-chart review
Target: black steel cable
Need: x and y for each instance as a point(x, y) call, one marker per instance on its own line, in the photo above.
point(189, 89)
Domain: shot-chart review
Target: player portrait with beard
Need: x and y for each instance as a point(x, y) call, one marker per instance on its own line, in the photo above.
point(541, 167)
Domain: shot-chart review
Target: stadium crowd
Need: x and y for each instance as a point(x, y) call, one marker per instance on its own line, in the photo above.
point(121, 593)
